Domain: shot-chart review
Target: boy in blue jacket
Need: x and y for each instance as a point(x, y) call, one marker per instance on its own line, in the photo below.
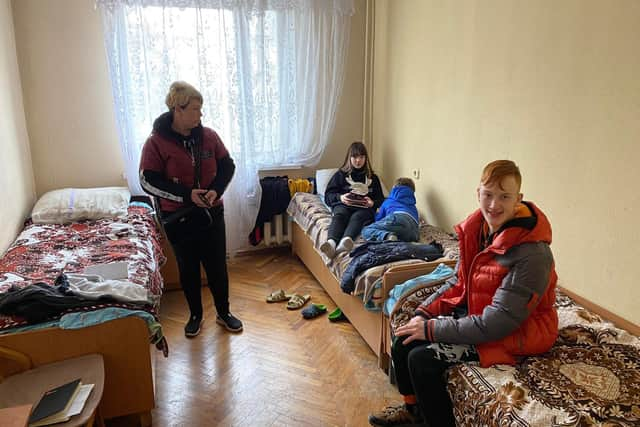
point(397, 218)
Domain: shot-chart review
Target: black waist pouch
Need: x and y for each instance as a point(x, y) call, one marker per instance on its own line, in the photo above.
point(186, 222)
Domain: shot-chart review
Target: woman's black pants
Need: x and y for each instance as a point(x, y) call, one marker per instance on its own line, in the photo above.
point(198, 241)
point(348, 221)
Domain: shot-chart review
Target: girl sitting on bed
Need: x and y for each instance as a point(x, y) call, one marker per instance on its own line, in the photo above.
point(353, 194)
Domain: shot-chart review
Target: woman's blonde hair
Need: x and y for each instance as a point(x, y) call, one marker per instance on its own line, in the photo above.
point(180, 94)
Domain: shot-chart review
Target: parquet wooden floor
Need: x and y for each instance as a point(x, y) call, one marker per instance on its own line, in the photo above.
point(282, 370)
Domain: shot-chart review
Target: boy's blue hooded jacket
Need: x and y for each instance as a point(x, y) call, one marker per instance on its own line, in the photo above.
point(400, 199)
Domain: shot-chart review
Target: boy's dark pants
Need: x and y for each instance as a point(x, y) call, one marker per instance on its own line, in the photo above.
point(418, 371)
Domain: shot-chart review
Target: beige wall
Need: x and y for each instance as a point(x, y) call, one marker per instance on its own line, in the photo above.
point(67, 94)
point(552, 85)
point(16, 175)
point(68, 99)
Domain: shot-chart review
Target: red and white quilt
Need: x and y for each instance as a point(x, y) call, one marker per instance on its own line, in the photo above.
point(43, 251)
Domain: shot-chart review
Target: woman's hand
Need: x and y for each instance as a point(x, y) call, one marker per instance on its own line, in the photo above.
point(211, 196)
point(199, 198)
point(369, 201)
point(413, 330)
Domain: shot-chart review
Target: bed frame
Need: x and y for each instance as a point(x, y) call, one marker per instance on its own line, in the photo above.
point(124, 345)
point(369, 324)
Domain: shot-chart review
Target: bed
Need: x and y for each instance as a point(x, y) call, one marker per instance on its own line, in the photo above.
point(591, 376)
point(362, 306)
point(119, 329)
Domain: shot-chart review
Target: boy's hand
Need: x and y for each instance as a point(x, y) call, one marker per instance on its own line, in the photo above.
point(412, 330)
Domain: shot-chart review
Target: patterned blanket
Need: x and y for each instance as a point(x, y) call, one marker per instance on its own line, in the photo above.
point(42, 251)
point(590, 377)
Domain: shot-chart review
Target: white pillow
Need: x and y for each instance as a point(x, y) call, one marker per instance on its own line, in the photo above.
point(74, 204)
point(323, 176)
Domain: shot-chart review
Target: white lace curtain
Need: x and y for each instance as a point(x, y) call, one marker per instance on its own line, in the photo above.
point(270, 72)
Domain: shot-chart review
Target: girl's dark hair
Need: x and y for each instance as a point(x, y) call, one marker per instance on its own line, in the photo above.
point(357, 149)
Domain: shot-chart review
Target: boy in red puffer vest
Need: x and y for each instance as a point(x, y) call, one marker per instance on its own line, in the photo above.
point(499, 306)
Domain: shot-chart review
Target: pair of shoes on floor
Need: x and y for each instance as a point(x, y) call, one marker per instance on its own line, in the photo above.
point(229, 321)
point(297, 301)
point(278, 296)
point(294, 301)
point(314, 310)
point(397, 415)
point(337, 315)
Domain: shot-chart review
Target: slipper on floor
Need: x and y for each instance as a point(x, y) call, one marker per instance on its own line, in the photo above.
point(314, 310)
point(278, 296)
point(297, 301)
point(337, 315)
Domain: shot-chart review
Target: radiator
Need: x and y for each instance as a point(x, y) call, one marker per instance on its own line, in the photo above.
point(277, 231)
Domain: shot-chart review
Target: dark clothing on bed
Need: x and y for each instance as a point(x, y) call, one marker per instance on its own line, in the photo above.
point(39, 302)
point(371, 254)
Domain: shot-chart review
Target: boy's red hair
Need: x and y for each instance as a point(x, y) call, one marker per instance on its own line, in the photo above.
point(497, 170)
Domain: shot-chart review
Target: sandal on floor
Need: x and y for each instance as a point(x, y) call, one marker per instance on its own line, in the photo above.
point(314, 310)
point(337, 315)
point(278, 296)
point(297, 301)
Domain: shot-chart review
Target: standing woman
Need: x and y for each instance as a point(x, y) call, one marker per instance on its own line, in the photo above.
point(188, 168)
point(353, 194)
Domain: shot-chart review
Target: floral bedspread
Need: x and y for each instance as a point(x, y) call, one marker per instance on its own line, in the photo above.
point(313, 216)
point(590, 377)
point(42, 251)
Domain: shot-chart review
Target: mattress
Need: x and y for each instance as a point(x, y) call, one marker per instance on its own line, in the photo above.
point(43, 251)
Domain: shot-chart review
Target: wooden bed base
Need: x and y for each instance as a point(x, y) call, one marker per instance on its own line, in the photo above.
point(124, 345)
point(366, 322)
point(369, 324)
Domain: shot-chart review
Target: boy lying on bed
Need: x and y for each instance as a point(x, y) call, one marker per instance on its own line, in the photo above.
point(397, 218)
point(498, 307)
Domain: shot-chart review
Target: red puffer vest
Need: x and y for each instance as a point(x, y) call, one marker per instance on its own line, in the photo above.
point(479, 277)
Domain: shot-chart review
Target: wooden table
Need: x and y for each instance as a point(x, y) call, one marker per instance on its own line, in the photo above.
point(27, 387)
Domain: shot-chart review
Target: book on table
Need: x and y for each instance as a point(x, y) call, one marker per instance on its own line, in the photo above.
point(59, 404)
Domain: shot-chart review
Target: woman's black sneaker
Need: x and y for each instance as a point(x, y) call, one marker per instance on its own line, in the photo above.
point(230, 322)
point(192, 328)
